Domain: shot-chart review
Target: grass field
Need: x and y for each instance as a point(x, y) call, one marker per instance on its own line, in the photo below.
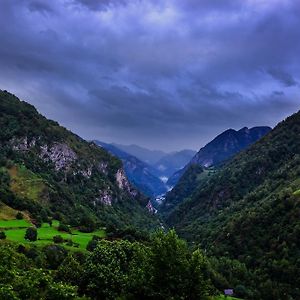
point(15, 231)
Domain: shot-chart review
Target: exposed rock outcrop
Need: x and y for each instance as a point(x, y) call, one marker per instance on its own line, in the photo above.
point(123, 183)
point(60, 154)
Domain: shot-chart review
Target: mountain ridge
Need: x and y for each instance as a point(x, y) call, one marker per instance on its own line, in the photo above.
point(248, 211)
point(49, 171)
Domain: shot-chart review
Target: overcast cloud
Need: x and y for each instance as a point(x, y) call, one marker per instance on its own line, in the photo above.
point(162, 74)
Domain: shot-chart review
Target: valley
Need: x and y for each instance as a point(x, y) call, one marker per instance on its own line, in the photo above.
point(149, 150)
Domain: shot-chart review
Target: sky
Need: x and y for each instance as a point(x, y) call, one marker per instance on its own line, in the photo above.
point(162, 74)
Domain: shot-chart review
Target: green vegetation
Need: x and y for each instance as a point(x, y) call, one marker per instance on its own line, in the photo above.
point(7, 224)
point(247, 215)
point(15, 231)
point(192, 177)
point(161, 268)
point(48, 172)
point(296, 193)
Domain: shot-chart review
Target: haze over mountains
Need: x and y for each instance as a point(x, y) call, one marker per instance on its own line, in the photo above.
point(154, 172)
point(147, 169)
point(140, 174)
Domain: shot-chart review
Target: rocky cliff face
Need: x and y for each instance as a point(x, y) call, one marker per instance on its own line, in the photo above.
point(138, 172)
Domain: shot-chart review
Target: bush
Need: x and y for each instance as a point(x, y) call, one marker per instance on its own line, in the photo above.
point(19, 216)
point(31, 234)
point(69, 242)
point(92, 244)
point(63, 227)
point(2, 235)
point(58, 239)
point(55, 254)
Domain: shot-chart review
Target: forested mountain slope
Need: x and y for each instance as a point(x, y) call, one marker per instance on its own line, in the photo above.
point(222, 147)
point(216, 152)
point(50, 172)
point(250, 210)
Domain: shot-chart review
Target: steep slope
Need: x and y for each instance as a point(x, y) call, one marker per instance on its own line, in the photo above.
point(172, 162)
point(228, 144)
point(249, 210)
point(220, 149)
point(51, 172)
point(139, 173)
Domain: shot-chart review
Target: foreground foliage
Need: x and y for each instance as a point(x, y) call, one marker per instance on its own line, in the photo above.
point(162, 268)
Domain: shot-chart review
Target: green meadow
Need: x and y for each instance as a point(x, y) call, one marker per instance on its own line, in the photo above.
point(15, 231)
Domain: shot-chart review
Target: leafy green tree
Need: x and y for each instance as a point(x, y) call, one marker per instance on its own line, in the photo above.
point(58, 239)
point(31, 234)
point(63, 227)
point(55, 255)
point(176, 273)
point(2, 235)
point(19, 216)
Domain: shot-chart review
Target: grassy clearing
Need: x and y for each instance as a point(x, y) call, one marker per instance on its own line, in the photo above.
point(7, 224)
point(25, 183)
point(15, 231)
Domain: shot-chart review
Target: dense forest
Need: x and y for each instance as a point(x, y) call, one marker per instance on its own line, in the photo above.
point(248, 212)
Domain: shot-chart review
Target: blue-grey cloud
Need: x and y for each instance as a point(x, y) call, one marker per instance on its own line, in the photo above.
point(283, 77)
point(164, 74)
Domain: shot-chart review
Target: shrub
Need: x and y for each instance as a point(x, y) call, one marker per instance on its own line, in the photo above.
point(58, 239)
point(19, 216)
point(2, 235)
point(63, 227)
point(31, 234)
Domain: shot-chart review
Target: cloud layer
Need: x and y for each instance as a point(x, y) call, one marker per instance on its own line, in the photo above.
point(163, 74)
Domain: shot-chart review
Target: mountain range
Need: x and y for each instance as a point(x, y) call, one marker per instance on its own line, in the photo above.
point(146, 169)
point(238, 199)
point(139, 173)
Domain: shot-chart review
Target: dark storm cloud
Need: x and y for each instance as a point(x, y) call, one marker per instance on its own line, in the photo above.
point(164, 74)
point(100, 4)
point(283, 77)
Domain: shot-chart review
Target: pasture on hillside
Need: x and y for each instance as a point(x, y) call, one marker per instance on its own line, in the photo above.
point(15, 231)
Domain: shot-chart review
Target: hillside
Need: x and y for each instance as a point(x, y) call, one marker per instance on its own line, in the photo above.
point(138, 172)
point(249, 211)
point(228, 144)
point(52, 173)
point(212, 155)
